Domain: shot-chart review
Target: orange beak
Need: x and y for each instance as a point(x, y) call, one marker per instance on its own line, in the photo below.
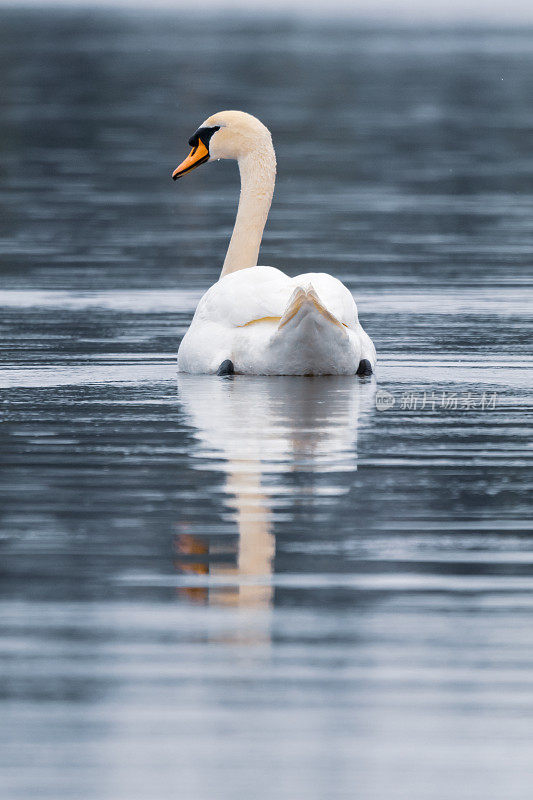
point(198, 155)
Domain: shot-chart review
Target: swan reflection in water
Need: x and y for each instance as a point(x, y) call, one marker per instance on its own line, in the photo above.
point(264, 429)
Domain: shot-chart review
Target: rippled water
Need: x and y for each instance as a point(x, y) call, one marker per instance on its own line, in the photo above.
point(283, 587)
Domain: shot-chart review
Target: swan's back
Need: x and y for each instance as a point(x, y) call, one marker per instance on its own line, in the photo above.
point(258, 292)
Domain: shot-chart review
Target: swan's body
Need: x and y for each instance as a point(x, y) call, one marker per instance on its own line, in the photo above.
point(257, 319)
point(267, 325)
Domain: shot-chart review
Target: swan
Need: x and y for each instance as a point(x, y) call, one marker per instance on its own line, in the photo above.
point(257, 320)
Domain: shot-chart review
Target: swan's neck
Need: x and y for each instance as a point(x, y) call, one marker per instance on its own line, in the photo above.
point(258, 175)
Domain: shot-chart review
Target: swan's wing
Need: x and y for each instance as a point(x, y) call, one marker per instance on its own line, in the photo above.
point(333, 294)
point(245, 295)
point(232, 302)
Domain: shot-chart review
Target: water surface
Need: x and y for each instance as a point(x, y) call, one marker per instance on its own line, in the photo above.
point(283, 587)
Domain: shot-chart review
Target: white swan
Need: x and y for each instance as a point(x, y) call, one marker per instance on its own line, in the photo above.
point(256, 320)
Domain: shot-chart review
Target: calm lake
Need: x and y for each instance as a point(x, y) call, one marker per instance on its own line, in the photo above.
point(290, 588)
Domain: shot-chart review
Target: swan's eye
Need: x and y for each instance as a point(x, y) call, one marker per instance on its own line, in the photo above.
point(204, 135)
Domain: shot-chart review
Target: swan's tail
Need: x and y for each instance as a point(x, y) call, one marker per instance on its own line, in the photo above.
point(310, 340)
point(304, 302)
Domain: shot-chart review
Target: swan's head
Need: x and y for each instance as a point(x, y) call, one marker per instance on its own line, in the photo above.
point(228, 134)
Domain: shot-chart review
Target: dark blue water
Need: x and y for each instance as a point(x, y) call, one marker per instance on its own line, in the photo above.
point(271, 588)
